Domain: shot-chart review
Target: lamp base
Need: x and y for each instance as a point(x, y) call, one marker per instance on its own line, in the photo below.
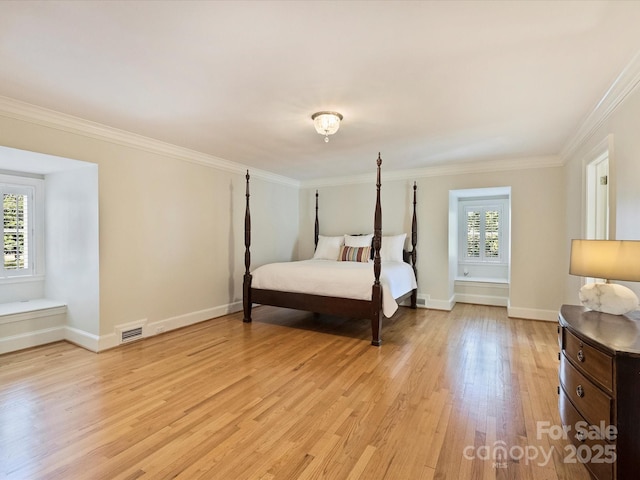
point(608, 298)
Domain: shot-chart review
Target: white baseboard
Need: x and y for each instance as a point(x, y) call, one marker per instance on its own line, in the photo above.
point(441, 304)
point(82, 339)
point(105, 342)
point(171, 323)
point(97, 343)
point(160, 326)
point(100, 343)
point(512, 312)
point(533, 314)
point(31, 339)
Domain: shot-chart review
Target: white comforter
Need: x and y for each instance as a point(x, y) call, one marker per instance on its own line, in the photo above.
point(337, 279)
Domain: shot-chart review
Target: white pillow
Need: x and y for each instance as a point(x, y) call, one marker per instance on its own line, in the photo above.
point(328, 248)
point(391, 249)
point(358, 240)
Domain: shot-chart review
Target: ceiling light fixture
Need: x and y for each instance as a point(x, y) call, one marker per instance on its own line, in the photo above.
point(326, 123)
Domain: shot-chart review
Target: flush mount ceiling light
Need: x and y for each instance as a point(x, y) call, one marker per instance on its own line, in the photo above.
point(326, 123)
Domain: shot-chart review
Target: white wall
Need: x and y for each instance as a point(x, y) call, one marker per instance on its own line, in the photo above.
point(537, 229)
point(171, 229)
point(624, 171)
point(21, 291)
point(72, 249)
point(171, 235)
point(349, 209)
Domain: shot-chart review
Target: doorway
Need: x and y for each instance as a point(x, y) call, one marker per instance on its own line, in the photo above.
point(597, 198)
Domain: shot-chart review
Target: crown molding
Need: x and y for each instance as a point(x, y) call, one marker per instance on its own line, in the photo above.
point(548, 161)
point(49, 118)
point(622, 86)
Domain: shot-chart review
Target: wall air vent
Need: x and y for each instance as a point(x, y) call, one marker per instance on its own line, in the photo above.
point(130, 332)
point(131, 335)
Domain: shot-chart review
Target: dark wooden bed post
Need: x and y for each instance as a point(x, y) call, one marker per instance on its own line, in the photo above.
point(317, 225)
point(246, 287)
point(414, 242)
point(376, 293)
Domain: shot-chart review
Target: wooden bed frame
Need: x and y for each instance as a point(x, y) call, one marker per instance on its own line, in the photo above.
point(345, 307)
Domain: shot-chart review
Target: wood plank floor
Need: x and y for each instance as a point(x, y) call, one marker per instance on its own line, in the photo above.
point(293, 396)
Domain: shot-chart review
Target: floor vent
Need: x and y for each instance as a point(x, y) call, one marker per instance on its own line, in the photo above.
point(131, 335)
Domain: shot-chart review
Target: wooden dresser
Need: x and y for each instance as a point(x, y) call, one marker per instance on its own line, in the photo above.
point(600, 390)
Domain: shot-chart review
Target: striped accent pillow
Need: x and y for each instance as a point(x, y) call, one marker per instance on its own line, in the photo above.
point(354, 254)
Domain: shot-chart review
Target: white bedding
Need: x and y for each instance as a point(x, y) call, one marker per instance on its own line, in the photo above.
point(337, 279)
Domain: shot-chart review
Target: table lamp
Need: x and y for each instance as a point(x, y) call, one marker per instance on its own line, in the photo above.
point(609, 260)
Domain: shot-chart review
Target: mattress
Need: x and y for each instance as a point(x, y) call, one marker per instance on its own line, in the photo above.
point(337, 279)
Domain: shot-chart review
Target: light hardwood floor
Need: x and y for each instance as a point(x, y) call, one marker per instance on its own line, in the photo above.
point(292, 396)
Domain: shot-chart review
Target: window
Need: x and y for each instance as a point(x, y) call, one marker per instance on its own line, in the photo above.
point(19, 242)
point(483, 233)
point(479, 244)
point(15, 220)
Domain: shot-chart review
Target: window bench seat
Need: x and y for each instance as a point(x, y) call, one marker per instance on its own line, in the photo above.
point(29, 309)
point(31, 323)
point(482, 291)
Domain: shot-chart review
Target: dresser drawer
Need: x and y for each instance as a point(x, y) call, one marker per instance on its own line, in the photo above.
point(599, 454)
point(593, 403)
point(595, 363)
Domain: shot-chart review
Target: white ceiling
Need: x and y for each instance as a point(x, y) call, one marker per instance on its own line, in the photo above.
point(425, 83)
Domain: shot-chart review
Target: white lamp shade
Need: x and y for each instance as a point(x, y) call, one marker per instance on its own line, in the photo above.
point(608, 259)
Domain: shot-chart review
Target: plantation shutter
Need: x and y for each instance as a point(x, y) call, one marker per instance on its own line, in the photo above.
point(483, 233)
point(473, 234)
point(492, 234)
point(16, 203)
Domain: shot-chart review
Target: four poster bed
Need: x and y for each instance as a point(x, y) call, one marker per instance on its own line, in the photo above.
point(353, 285)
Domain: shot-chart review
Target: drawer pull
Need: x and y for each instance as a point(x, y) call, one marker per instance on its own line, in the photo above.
point(580, 355)
point(581, 435)
point(580, 391)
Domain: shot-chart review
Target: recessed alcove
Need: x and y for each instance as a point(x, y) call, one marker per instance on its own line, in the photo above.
point(68, 272)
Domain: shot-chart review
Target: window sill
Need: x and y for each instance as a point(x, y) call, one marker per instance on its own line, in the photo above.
point(502, 281)
point(21, 279)
point(496, 263)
